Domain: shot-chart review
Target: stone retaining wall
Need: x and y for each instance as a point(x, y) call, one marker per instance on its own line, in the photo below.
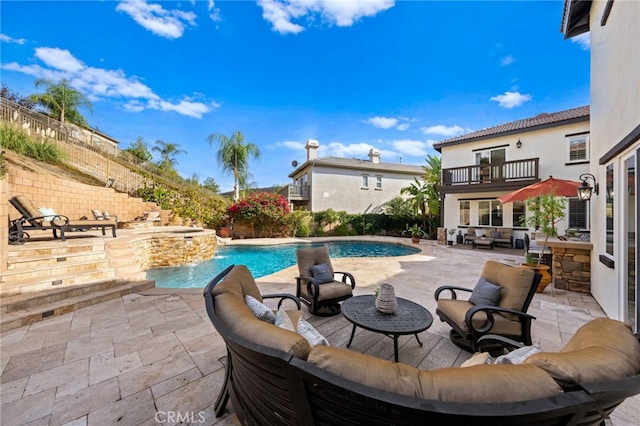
point(572, 269)
point(174, 250)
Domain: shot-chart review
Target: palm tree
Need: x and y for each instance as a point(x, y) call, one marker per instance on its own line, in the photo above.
point(425, 192)
point(233, 156)
point(168, 151)
point(61, 101)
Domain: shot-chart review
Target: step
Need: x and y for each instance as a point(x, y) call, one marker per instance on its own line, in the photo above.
point(53, 271)
point(60, 248)
point(22, 317)
point(13, 288)
point(48, 260)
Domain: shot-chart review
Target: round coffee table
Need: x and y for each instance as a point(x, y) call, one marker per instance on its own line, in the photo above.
point(409, 318)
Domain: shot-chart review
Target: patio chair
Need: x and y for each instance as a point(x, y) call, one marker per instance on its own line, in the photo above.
point(33, 219)
point(497, 305)
point(316, 286)
point(536, 251)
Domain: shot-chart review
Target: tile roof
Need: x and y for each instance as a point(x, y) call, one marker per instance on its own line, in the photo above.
point(533, 123)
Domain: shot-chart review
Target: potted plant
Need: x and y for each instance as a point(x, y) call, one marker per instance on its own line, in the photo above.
point(546, 211)
point(452, 232)
point(415, 231)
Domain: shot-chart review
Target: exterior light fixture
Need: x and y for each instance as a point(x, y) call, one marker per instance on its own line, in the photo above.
point(518, 144)
point(584, 192)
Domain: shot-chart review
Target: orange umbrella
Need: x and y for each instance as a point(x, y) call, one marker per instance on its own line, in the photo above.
point(557, 187)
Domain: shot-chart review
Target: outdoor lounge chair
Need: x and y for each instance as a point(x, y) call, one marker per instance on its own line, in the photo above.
point(32, 219)
point(317, 287)
point(490, 310)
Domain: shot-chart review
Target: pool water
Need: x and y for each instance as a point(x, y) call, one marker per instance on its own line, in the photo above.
point(265, 260)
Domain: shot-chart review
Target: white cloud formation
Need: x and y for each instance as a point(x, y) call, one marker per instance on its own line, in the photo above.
point(443, 130)
point(282, 13)
point(98, 83)
point(583, 40)
point(6, 39)
point(383, 122)
point(511, 99)
point(507, 60)
point(214, 12)
point(293, 145)
point(411, 148)
point(402, 127)
point(153, 17)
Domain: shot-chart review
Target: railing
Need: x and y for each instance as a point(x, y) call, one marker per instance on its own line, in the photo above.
point(298, 192)
point(492, 173)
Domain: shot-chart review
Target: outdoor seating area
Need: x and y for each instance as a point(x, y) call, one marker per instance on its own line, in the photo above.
point(156, 352)
point(489, 237)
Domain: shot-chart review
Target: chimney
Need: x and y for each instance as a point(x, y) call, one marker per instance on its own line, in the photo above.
point(374, 156)
point(312, 149)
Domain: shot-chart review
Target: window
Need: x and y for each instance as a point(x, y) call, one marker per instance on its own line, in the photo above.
point(490, 213)
point(578, 214)
point(365, 181)
point(609, 209)
point(519, 212)
point(465, 212)
point(579, 148)
point(378, 182)
point(488, 159)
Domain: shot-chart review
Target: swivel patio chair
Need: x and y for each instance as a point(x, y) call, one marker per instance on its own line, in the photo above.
point(497, 305)
point(317, 287)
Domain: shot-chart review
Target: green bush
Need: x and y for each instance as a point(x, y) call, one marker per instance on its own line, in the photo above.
point(17, 140)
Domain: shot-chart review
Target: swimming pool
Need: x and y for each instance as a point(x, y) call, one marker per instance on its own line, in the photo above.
point(265, 260)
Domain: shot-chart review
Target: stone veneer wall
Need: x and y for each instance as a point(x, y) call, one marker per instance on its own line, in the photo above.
point(4, 228)
point(572, 269)
point(168, 250)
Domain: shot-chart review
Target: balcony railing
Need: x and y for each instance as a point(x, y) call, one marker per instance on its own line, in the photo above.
point(491, 176)
point(298, 192)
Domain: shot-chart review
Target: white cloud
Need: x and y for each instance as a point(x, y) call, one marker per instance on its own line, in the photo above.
point(6, 39)
point(511, 99)
point(402, 127)
point(411, 148)
point(507, 60)
point(583, 40)
point(443, 130)
point(214, 12)
point(153, 17)
point(293, 145)
point(338, 149)
point(99, 83)
point(383, 122)
point(282, 13)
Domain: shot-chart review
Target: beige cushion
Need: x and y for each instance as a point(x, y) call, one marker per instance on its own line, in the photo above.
point(238, 317)
point(239, 282)
point(602, 349)
point(456, 310)
point(329, 291)
point(478, 358)
point(515, 283)
point(308, 257)
point(30, 208)
point(480, 383)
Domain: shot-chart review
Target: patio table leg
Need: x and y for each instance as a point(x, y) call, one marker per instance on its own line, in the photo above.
point(353, 332)
point(418, 339)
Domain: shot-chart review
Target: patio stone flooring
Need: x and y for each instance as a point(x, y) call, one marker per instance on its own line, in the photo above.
point(154, 358)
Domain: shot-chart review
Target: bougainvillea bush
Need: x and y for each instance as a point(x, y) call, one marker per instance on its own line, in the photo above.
point(265, 213)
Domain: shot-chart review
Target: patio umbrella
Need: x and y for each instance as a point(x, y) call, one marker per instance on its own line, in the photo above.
point(557, 187)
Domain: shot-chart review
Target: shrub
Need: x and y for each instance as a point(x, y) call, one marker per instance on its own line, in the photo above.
point(20, 142)
point(266, 212)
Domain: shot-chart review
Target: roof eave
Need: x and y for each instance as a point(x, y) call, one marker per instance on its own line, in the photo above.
point(575, 19)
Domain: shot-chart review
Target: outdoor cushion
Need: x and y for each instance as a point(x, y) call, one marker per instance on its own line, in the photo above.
point(283, 320)
point(30, 208)
point(515, 283)
point(457, 309)
point(330, 290)
point(97, 215)
point(322, 273)
point(312, 335)
point(495, 234)
point(239, 274)
point(478, 358)
point(602, 349)
point(260, 310)
point(485, 293)
point(479, 233)
point(519, 355)
point(48, 213)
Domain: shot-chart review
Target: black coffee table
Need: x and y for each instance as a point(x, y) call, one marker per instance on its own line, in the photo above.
point(409, 318)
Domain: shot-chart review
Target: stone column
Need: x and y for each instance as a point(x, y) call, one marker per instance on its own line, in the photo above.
point(572, 269)
point(442, 236)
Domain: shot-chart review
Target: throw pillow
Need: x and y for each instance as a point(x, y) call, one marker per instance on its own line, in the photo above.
point(485, 293)
point(495, 234)
point(312, 335)
point(322, 273)
point(479, 358)
point(48, 213)
point(282, 320)
point(106, 215)
point(260, 310)
point(479, 233)
point(519, 355)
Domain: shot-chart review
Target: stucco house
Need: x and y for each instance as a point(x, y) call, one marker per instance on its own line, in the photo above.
point(480, 166)
point(347, 184)
point(615, 148)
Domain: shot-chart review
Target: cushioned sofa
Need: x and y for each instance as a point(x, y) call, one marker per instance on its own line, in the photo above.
point(274, 376)
point(502, 236)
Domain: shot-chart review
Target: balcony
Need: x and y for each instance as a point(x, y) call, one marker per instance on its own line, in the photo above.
point(506, 176)
point(298, 193)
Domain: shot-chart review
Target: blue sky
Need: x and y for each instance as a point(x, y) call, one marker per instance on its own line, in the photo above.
point(353, 74)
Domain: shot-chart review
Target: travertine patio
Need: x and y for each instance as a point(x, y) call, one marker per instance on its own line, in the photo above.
point(155, 358)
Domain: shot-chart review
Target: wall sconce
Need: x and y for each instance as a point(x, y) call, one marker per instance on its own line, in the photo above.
point(518, 144)
point(584, 192)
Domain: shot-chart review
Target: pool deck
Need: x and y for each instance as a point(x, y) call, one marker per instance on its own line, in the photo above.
point(144, 358)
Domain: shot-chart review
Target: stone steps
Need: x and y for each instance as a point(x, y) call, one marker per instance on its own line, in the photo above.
point(20, 310)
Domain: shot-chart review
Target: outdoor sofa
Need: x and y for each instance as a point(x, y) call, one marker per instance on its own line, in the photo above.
point(502, 236)
point(274, 376)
